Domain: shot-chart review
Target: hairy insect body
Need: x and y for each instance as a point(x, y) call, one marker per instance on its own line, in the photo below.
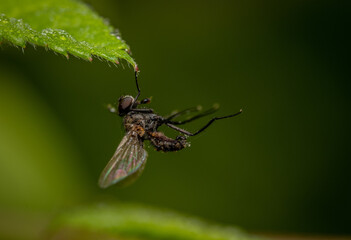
point(145, 125)
point(163, 143)
point(149, 121)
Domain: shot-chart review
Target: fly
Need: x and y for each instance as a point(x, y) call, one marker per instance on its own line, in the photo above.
point(141, 124)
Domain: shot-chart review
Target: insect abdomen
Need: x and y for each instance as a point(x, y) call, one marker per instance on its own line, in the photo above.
point(166, 144)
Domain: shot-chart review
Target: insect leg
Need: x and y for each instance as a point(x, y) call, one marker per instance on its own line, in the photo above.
point(200, 115)
point(143, 110)
point(204, 127)
point(137, 85)
point(186, 111)
point(179, 129)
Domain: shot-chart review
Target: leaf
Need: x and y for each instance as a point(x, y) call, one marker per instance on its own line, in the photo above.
point(132, 221)
point(64, 26)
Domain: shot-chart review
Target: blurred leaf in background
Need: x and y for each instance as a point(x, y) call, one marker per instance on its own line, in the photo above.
point(37, 159)
point(134, 221)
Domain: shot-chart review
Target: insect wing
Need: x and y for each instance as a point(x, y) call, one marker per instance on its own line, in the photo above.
point(126, 164)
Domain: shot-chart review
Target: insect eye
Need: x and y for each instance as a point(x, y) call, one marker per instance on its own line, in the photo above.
point(124, 104)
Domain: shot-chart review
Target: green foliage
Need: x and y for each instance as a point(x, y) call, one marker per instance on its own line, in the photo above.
point(38, 173)
point(64, 26)
point(37, 169)
point(131, 221)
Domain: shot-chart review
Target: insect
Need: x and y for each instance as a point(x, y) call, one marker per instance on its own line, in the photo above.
point(141, 124)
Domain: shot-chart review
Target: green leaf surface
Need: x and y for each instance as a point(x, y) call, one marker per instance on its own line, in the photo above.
point(132, 221)
point(64, 26)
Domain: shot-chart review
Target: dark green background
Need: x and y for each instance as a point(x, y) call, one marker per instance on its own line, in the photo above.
point(281, 166)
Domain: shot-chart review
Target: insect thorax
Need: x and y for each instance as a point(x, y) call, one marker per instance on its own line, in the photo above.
point(148, 121)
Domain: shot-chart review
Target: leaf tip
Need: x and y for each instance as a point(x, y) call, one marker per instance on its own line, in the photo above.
point(136, 68)
point(90, 59)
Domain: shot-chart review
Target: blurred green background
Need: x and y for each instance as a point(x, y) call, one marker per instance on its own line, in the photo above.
point(281, 166)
